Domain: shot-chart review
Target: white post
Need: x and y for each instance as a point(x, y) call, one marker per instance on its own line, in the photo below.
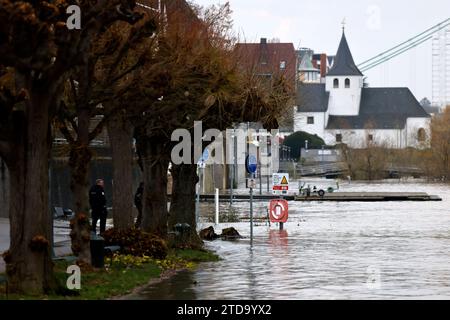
point(217, 206)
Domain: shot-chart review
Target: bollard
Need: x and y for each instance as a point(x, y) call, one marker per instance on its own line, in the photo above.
point(97, 251)
point(217, 206)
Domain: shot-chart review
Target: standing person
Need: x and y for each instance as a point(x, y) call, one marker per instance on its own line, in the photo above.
point(97, 200)
point(138, 203)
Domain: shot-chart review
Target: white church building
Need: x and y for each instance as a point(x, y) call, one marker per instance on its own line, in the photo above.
point(341, 109)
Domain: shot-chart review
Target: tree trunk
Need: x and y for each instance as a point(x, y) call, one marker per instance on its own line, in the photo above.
point(29, 264)
point(121, 141)
point(155, 163)
point(182, 205)
point(80, 157)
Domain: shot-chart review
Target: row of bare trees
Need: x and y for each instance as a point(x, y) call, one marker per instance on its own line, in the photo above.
point(144, 74)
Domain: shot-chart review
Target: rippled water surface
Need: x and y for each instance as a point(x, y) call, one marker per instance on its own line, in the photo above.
point(329, 250)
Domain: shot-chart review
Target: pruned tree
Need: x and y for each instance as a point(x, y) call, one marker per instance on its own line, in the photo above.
point(95, 89)
point(226, 96)
point(41, 50)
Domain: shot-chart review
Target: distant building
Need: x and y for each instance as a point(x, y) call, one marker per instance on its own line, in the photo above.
point(268, 59)
point(322, 62)
point(431, 110)
point(307, 73)
point(441, 68)
point(312, 67)
point(344, 110)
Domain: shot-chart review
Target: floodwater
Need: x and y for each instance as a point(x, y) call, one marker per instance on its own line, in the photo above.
point(329, 250)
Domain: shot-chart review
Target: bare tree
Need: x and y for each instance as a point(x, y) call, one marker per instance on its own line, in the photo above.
point(440, 144)
point(36, 43)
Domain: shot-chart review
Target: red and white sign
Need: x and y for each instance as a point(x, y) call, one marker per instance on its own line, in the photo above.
point(280, 183)
point(278, 211)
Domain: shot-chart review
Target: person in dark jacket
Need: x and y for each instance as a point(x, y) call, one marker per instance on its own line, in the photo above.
point(97, 200)
point(138, 200)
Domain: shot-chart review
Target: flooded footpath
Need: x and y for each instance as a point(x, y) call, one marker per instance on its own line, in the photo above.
point(329, 250)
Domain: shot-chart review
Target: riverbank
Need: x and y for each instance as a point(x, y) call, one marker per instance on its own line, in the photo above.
point(194, 256)
point(124, 276)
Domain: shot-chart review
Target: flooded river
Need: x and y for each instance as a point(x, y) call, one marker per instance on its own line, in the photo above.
point(329, 250)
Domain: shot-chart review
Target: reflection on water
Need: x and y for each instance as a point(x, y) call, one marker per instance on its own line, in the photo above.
point(278, 239)
point(354, 250)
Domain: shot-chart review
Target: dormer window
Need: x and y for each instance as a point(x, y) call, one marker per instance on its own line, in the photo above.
point(347, 83)
point(336, 83)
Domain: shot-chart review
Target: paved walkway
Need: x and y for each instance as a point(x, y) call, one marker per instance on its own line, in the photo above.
point(61, 237)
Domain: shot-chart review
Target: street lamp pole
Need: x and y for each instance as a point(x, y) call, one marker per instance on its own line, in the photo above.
point(232, 174)
point(259, 166)
point(323, 150)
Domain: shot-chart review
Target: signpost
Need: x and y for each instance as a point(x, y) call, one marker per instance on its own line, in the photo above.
point(251, 164)
point(200, 166)
point(280, 186)
point(280, 183)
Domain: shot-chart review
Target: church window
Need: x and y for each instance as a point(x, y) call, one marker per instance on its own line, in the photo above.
point(339, 137)
point(347, 83)
point(310, 120)
point(421, 135)
point(283, 65)
point(336, 83)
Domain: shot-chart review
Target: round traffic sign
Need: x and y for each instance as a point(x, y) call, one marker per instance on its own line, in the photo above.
point(251, 164)
point(205, 155)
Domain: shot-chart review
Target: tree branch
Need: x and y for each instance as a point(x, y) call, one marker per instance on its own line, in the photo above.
point(98, 129)
point(65, 132)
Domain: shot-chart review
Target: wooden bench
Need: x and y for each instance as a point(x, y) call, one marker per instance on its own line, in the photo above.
point(70, 259)
point(60, 213)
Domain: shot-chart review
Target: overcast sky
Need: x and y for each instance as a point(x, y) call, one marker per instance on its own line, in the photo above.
point(372, 26)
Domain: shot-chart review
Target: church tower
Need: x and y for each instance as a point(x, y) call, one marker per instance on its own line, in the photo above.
point(344, 82)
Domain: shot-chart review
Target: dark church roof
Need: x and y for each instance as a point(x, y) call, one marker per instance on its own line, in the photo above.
point(312, 97)
point(344, 65)
point(381, 108)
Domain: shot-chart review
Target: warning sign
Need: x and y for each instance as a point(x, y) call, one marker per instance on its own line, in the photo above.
point(280, 183)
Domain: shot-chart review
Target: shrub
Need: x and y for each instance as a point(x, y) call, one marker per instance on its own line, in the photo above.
point(137, 243)
point(129, 261)
point(297, 141)
point(228, 215)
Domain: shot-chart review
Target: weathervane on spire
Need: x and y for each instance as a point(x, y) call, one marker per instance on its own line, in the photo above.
point(343, 25)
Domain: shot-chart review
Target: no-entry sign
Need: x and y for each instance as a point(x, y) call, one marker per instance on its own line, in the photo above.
point(278, 211)
point(280, 183)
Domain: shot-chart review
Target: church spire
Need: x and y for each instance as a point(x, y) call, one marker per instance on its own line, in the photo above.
point(344, 65)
